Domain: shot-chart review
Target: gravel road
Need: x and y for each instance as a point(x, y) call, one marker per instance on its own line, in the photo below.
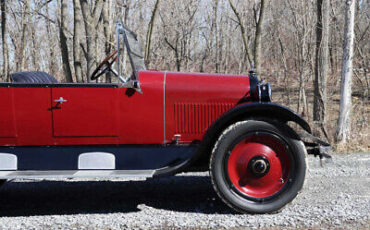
point(336, 196)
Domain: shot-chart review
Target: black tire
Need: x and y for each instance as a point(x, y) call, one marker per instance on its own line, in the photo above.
point(33, 78)
point(221, 165)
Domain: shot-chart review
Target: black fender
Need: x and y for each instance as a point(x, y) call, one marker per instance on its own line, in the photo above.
point(239, 113)
point(261, 109)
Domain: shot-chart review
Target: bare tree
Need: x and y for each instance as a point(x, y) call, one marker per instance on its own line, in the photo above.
point(211, 39)
point(344, 121)
point(321, 64)
point(150, 32)
point(63, 40)
point(23, 42)
point(77, 36)
point(4, 40)
point(107, 33)
point(302, 34)
point(35, 46)
point(243, 31)
point(91, 14)
point(256, 59)
point(175, 49)
point(52, 62)
point(214, 34)
point(258, 36)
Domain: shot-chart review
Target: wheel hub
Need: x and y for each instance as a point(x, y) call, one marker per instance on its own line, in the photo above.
point(259, 166)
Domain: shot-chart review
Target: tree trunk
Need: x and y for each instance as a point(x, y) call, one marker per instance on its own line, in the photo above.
point(126, 19)
point(4, 41)
point(243, 32)
point(91, 19)
point(149, 33)
point(35, 50)
point(77, 36)
point(344, 120)
point(176, 51)
point(52, 59)
point(285, 65)
point(63, 41)
point(23, 41)
point(258, 37)
point(214, 31)
point(107, 34)
point(321, 63)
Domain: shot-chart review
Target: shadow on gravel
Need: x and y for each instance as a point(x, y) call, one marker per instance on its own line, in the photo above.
point(180, 193)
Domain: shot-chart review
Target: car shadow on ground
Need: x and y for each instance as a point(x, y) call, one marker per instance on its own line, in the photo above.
point(180, 193)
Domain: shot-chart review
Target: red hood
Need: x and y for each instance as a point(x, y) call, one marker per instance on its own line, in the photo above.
point(194, 101)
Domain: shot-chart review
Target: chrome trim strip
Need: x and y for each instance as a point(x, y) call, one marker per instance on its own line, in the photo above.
point(164, 107)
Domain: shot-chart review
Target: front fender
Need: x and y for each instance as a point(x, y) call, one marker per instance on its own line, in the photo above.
point(269, 110)
point(240, 113)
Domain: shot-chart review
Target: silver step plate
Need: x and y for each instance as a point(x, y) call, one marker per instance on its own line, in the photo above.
point(126, 174)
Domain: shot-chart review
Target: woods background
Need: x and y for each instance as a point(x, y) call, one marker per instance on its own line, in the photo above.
point(296, 45)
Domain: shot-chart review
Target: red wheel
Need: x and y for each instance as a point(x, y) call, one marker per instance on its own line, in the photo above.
point(258, 166)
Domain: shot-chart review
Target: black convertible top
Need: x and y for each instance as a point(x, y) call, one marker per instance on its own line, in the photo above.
point(32, 78)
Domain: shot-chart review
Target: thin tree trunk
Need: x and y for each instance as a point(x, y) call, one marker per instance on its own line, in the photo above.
point(215, 33)
point(176, 51)
point(149, 33)
point(258, 37)
point(344, 120)
point(248, 53)
point(23, 41)
point(4, 41)
point(63, 41)
point(126, 18)
point(77, 36)
point(302, 103)
point(107, 34)
point(91, 19)
point(321, 63)
point(285, 65)
point(52, 58)
point(35, 48)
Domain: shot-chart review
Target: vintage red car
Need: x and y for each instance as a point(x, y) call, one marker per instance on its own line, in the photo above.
point(155, 124)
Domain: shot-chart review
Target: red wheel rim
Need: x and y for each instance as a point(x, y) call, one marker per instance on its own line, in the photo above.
point(275, 153)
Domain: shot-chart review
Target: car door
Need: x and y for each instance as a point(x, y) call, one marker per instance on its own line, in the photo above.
point(85, 111)
point(7, 122)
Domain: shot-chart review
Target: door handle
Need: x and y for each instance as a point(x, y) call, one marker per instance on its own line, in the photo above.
point(61, 100)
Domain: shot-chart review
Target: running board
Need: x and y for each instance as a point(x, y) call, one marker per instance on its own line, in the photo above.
point(126, 174)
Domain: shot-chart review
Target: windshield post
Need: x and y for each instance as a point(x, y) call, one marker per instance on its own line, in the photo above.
point(133, 52)
point(119, 30)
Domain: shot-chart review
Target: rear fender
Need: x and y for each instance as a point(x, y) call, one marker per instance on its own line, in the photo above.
point(240, 113)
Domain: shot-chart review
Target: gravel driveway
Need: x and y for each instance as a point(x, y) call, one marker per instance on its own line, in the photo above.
point(336, 196)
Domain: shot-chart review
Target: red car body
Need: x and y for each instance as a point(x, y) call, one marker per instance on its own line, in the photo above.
point(171, 104)
point(172, 125)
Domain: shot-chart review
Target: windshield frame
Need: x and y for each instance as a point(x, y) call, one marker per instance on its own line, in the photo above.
point(133, 80)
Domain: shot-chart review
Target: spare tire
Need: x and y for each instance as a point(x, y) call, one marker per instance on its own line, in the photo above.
point(33, 78)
